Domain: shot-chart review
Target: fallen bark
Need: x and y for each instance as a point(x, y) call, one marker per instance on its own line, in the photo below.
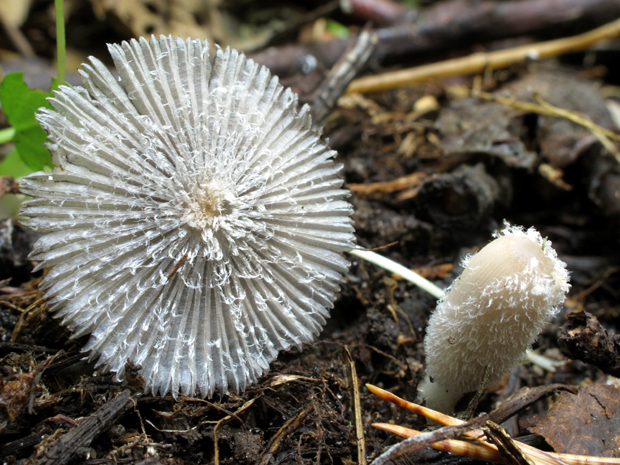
point(583, 338)
point(70, 445)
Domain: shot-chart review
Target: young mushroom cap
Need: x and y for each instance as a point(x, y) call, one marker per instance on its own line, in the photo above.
point(194, 221)
point(491, 314)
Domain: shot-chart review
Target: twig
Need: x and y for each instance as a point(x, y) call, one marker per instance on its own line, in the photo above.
point(379, 12)
point(356, 410)
point(473, 404)
point(506, 445)
point(4, 303)
point(177, 266)
point(402, 365)
point(453, 446)
point(230, 416)
point(22, 319)
point(69, 445)
point(575, 117)
point(524, 398)
point(352, 61)
point(12, 447)
point(292, 424)
point(38, 373)
point(479, 62)
point(16, 347)
point(544, 108)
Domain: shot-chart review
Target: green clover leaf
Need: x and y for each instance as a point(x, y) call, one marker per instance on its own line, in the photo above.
point(20, 103)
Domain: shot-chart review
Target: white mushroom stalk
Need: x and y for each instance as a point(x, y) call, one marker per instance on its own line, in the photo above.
point(400, 270)
point(194, 220)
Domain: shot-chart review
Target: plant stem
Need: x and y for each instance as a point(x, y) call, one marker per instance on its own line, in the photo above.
point(6, 135)
point(61, 44)
point(400, 270)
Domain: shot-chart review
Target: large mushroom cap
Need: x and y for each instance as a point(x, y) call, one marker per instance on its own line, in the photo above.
point(194, 220)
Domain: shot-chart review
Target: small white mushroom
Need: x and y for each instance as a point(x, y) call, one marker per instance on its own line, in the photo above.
point(491, 314)
point(194, 221)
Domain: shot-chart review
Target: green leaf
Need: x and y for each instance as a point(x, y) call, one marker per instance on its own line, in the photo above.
point(340, 31)
point(6, 135)
point(20, 103)
point(13, 166)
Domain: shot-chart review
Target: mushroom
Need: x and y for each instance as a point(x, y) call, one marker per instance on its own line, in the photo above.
point(193, 222)
point(491, 314)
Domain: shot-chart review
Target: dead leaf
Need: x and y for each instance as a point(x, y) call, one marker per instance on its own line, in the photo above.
point(283, 379)
point(435, 272)
point(584, 424)
point(8, 186)
point(176, 17)
point(15, 12)
point(15, 394)
point(553, 175)
point(472, 126)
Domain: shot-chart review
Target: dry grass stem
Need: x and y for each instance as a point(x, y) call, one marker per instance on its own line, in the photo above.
point(291, 425)
point(454, 446)
point(605, 136)
point(404, 182)
point(475, 450)
point(356, 411)
point(415, 408)
point(216, 458)
point(479, 62)
point(28, 313)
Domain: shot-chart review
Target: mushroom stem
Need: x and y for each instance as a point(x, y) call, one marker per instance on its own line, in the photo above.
point(439, 397)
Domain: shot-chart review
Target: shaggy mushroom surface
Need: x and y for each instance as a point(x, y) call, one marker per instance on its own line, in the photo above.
point(491, 314)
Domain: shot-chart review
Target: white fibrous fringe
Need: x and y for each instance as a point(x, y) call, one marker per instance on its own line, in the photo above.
point(194, 221)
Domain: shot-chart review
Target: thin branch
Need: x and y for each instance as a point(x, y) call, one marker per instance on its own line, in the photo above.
point(339, 77)
point(479, 62)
